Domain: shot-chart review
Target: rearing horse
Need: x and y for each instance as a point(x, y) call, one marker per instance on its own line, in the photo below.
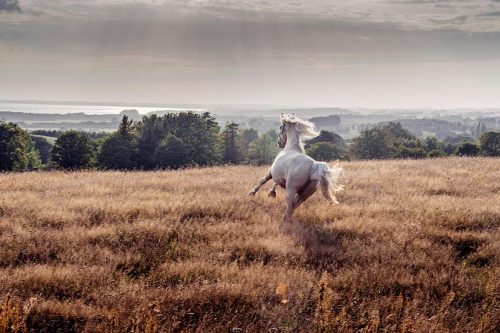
point(296, 172)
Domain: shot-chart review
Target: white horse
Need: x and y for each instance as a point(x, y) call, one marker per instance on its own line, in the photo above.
point(296, 172)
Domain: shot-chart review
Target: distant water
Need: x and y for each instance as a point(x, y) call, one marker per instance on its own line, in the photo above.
point(88, 109)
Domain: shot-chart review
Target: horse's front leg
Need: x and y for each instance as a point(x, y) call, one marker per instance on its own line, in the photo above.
point(264, 180)
point(272, 192)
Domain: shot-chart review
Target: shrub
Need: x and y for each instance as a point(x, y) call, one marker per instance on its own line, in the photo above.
point(17, 152)
point(467, 149)
point(490, 144)
point(73, 150)
point(325, 151)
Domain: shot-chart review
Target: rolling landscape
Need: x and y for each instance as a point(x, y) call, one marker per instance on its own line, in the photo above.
point(249, 166)
point(347, 122)
point(413, 246)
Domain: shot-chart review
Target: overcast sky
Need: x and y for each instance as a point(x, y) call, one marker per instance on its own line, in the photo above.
point(356, 53)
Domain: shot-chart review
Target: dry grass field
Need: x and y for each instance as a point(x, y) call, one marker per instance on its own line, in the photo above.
point(413, 246)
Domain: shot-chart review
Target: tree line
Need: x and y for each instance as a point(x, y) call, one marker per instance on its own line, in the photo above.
point(171, 141)
point(178, 140)
point(394, 141)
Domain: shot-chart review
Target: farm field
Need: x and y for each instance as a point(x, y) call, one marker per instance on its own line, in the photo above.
point(413, 246)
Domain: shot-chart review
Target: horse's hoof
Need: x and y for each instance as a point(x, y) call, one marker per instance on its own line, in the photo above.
point(272, 194)
point(251, 193)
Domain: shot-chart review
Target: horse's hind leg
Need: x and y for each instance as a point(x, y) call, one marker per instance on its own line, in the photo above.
point(272, 192)
point(294, 199)
point(306, 192)
point(264, 180)
point(291, 195)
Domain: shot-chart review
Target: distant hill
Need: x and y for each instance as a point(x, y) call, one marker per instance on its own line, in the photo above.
point(441, 129)
point(330, 121)
point(71, 117)
point(312, 112)
point(79, 121)
point(54, 117)
point(82, 125)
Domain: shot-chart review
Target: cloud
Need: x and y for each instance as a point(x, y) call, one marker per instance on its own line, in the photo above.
point(491, 14)
point(9, 6)
point(193, 47)
point(212, 34)
point(407, 14)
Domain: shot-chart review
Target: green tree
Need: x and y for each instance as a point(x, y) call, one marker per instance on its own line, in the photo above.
point(210, 143)
point(407, 152)
point(451, 143)
point(17, 152)
point(381, 142)
point(432, 143)
point(273, 134)
point(171, 154)
point(325, 151)
point(467, 149)
point(248, 135)
point(372, 143)
point(125, 128)
point(151, 131)
point(33, 157)
point(199, 133)
point(73, 150)
point(433, 147)
point(43, 147)
point(231, 144)
point(436, 153)
point(118, 149)
point(450, 148)
point(327, 136)
point(489, 144)
point(116, 153)
point(397, 133)
point(12, 147)
point(412, 144)
point(263, 150)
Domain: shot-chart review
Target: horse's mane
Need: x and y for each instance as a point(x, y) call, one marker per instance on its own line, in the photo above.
point(304, 127)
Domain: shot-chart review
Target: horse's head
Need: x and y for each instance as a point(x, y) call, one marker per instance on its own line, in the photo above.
point(302, 128)
point(286, 120)
point(282, 137)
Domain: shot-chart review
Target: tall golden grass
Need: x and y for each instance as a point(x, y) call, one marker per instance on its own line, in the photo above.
point(413, 246)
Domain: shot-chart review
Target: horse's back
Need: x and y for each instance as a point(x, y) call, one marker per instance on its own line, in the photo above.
point(291, 167)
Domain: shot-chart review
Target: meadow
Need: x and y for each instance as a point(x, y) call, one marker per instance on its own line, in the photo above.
point(413, 246)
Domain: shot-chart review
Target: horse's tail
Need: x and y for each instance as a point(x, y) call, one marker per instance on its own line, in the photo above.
point(328, 179)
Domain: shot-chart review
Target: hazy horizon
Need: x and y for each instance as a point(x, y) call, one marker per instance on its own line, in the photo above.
point(405, 54)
